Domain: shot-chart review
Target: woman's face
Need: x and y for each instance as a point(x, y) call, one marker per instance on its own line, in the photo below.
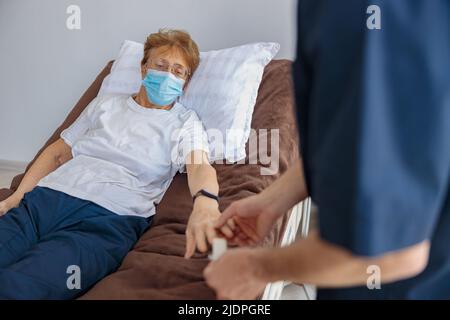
point(168, 59)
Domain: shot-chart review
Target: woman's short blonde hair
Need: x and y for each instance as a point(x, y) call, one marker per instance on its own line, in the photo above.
point(174, 38)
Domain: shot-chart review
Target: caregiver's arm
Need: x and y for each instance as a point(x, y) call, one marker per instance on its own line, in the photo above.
point(49, 160)
point(201, 175)
point(313, 260)
point(243, 273)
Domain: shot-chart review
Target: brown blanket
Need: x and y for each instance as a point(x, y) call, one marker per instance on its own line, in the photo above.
point(155, 268)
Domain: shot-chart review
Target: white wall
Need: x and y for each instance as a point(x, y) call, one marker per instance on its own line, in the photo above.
point(44, 67)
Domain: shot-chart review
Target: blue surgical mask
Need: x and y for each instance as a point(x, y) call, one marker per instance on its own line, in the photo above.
point(162, 87)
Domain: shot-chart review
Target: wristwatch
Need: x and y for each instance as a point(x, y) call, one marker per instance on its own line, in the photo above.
point(205, 193)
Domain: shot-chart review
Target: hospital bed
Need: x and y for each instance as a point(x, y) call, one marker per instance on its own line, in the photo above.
point(156, 268)
point(296, 227)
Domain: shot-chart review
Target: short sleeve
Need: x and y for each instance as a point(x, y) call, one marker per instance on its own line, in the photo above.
point(192, 136)
point(374, 119)
point(81, 125)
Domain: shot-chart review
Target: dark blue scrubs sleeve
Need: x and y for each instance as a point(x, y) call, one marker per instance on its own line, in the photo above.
point(374, 118)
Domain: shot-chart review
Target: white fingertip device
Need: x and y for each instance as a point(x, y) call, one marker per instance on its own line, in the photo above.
point(219, 247)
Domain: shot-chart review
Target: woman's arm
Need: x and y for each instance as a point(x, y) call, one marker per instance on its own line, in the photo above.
point(200, 230)
point(49, 160)
point(201, 175)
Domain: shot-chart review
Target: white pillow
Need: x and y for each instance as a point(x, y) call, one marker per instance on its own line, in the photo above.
point(222, 91)
point(125, 76)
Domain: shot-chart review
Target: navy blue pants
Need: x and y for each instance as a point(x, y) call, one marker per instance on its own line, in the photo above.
point(56, 246)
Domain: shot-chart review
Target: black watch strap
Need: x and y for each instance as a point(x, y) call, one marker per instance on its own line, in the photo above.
point(205, 193)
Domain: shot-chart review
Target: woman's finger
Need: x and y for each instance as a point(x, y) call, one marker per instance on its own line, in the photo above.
point(227, 231)
point(231, 224)
point(211, 234)
point(190, 244)
point(200, 239)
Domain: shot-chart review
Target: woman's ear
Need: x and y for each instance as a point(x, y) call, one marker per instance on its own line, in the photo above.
point(186, 84)
point(143, 71)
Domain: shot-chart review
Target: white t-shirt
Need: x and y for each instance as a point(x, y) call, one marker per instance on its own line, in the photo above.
point(125, 155)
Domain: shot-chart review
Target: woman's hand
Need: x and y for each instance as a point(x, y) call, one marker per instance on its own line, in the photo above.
point(200, 229)
point(11, 202)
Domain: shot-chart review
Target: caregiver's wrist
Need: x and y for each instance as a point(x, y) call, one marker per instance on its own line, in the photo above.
point(265, 263)
point(272, 204)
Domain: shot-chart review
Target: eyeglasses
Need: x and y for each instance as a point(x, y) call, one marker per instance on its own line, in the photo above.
point(176, 69)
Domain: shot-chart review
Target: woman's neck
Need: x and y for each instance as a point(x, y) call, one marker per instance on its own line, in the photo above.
point(142, 99)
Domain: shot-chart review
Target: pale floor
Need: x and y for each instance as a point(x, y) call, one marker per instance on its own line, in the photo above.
point(290, 292)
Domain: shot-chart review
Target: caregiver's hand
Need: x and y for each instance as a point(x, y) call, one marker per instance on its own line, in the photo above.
point(254, 218)
point(11, 202)
point(200, 229)
point(238, 274)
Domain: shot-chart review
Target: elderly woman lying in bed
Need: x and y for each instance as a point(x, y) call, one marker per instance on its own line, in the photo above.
point(90, 195)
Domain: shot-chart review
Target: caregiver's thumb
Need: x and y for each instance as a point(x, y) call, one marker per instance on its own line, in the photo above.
point(229, 213)
point(244, 208)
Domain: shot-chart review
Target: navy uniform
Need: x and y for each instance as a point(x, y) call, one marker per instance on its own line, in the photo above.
point(374, 117)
